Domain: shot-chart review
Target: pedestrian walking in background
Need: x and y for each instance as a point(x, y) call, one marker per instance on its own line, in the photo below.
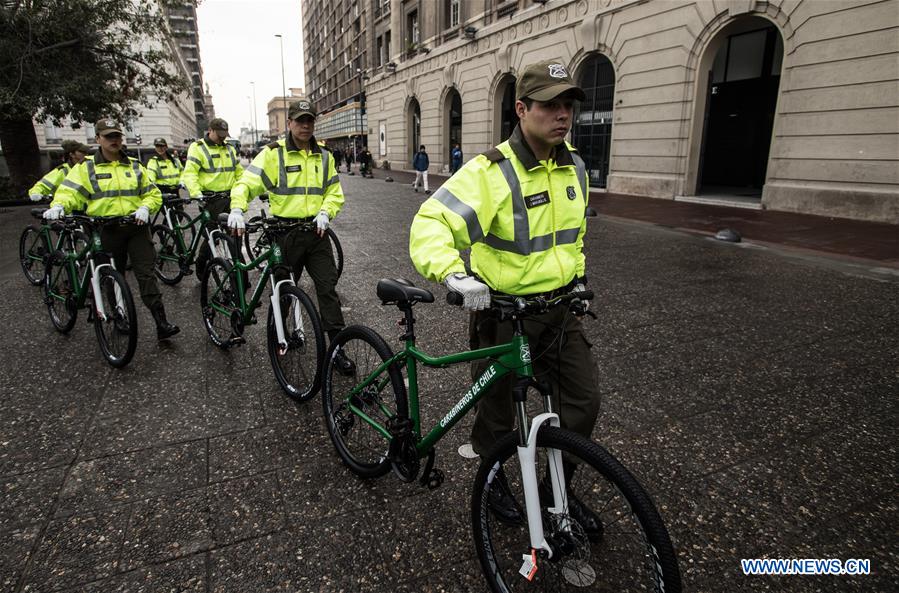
point(421, 163)
point(455, 158)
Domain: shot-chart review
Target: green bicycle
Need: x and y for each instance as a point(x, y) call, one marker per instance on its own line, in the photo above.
point(74, 277)
point(36, 243)
point(296, 344)
point(171, 213)
point(375, 426)
point(177, 243)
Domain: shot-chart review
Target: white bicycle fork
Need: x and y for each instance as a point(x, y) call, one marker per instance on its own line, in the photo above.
point(95, 285)
point(276, 313)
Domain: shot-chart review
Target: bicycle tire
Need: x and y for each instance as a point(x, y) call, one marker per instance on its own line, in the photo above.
point(167, 265)
point(368, 350)
point(182, 219)
point(117, 335)
point(32, 255)
point(297, 381)
point(218, 287)
point(336, 250)
point(59, 288)
point(253, 248)
point(613, 493)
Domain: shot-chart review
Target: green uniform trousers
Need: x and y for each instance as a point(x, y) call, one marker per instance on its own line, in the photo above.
point(305, 249)
point(132, 241)
point(561, 358)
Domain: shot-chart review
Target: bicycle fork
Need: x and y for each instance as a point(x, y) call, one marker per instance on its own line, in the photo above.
point(278, 318)
point(95, 285)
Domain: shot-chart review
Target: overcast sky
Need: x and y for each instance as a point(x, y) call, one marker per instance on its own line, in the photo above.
point(238, 45)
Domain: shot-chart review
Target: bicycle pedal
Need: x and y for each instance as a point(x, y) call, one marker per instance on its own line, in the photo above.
point(237, 341)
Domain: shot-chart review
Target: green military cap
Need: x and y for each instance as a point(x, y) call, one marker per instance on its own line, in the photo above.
point(106, 126)
point(301, 107)
point(545, 81)
point(218, 124)
point(70, 146)
point(160, 142)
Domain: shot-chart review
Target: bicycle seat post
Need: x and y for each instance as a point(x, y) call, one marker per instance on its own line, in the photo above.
point(407, 322)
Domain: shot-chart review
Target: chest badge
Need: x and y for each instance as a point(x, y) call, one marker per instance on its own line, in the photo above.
point(569, 191)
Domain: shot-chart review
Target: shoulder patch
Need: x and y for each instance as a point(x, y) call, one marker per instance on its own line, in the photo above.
point(272, 145)
point(494, 155)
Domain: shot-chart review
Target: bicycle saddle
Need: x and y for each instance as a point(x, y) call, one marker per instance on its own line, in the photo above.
point(400, 290)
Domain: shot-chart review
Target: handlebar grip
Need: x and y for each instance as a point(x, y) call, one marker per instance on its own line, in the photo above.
point(455, 298)
point(586, 295)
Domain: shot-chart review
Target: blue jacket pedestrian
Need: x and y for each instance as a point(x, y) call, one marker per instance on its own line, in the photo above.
point(420, 161)
point(455, 158)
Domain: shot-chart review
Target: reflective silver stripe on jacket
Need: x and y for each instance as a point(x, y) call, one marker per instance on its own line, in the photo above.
point(581, 170)
point(81, 190)
point(96, 193)
point(466, 212)
point(262, 175)
point(283, 189)
point(209, 168)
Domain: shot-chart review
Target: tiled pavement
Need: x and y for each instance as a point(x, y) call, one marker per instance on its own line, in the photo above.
point(753, 393)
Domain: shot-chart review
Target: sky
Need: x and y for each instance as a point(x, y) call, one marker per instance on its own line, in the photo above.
point(238, 45)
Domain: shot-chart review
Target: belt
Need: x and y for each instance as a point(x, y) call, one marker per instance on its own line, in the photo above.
point(294, 220)
point(551, 294)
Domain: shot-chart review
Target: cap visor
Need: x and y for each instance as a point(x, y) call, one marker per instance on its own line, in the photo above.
point(551, 92)
point(302, 113)
point(111, 131)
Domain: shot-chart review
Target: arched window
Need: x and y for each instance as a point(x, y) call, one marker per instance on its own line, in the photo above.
point(592, 130)
point(453, 121)
point(414, 128)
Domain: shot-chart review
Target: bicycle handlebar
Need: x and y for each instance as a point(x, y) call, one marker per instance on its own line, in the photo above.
point(504, 305)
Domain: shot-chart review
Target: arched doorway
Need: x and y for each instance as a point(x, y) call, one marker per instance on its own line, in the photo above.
point(453, 122)
point(414, 128)
point(591, 133)
point(741, 101)
point(505, 116)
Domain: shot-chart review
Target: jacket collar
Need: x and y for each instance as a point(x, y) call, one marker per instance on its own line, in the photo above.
point(100, 159)
point(525, 155)
point(210, 142)
point(312, 142)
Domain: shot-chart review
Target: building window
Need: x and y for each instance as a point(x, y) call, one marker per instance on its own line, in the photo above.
point(379, 56)
point(455, 10)
point(592, 130)
point(52, 133)
point(412, 33)
point(386, 46)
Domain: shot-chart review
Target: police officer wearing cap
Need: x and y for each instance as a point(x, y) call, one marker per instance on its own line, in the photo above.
point(111, 184)
point(212, 165)
point(302, 183)
point(164, 169)
point(520, 208)
point(73, 152)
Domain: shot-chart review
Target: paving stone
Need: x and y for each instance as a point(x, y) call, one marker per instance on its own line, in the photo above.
point(15, 550)
point(28, 498)
point(187, 575)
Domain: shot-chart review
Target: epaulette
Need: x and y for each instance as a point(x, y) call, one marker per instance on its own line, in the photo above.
point(494, 155)
point(272, 145)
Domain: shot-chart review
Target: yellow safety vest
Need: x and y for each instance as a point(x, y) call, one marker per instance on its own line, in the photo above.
point(164, 170)
point(107, 188)
point(299, 183)
point(523, 219)
point(49, 183)
point(210, 167)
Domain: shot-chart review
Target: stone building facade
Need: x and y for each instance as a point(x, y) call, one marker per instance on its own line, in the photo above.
point(784, 104)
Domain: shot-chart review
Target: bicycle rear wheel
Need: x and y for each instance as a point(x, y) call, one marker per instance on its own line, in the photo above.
point(182, 219)
point(634, 552)
point(361, 447)
point(298, 367)
point(167, 265)
point(32, 253)
point(220, 301)
point(59, 293)
point(117, 335)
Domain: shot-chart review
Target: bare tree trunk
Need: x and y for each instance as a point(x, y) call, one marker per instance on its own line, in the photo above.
point(23, 156)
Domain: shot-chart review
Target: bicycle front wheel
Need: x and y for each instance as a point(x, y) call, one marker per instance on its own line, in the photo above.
point(32, 253)
point(182, 219)
point(168, 265)
point(59, 293)
point(631, 551)
point(336, 250)
point(117, 335)
point(297, 364)
point(220, 301)
point(360, 445)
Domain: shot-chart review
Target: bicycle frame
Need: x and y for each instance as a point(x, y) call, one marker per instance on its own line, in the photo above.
point(189, 252)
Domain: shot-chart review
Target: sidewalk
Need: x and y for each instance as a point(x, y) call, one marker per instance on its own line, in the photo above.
point(851, 239)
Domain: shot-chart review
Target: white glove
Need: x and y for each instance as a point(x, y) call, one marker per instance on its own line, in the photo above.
point(475, 293)
point(54, 213)
point(35, 197)
point(322, 221)
point(235, 220)
point(142, 215)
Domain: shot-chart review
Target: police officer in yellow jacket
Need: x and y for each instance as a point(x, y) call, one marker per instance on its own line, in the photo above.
point(111, 184)
point(73, 152)
point(212, 165)
point(163, 168)
point(302, 183)
point(520, 207)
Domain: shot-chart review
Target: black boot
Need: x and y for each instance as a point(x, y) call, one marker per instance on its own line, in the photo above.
point(164, 329)
point(345, 366)
point(577, 510)
point(501, 502)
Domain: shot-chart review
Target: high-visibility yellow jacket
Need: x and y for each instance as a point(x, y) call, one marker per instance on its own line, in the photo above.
point(210, 167)
point(523, 219)
point(48, 184)
point(164, 170)
point(107, 188)
point(299, 183)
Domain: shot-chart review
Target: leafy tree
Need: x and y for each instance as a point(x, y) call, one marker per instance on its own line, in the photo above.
point(82, 59)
